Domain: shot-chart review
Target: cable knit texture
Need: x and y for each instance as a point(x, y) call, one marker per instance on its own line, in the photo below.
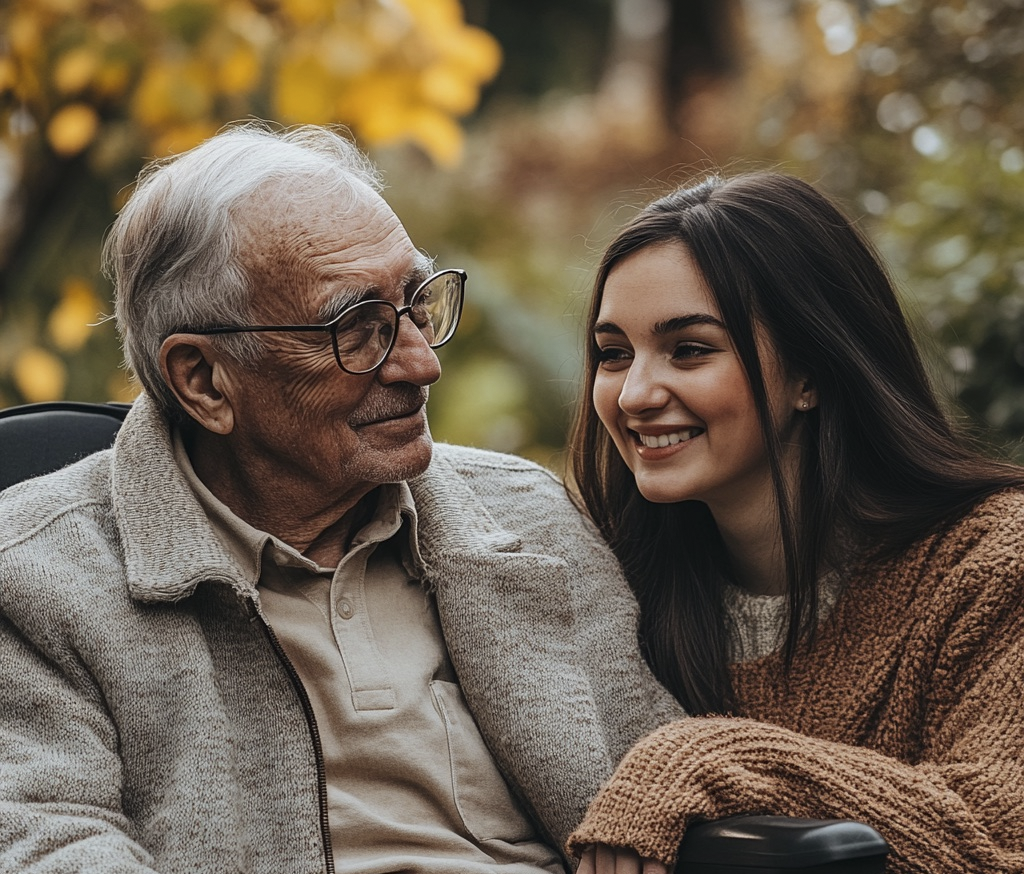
point(907, 713)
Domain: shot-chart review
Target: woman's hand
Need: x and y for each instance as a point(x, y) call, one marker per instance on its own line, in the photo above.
point(602, 859)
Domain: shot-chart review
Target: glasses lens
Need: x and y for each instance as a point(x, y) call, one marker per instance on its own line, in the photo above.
point(437, 307)
point(365, 335)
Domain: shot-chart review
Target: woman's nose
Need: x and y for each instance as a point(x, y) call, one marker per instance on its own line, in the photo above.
point(642, 389)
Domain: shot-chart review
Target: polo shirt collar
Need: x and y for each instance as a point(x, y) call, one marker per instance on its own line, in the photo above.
point(248, 545)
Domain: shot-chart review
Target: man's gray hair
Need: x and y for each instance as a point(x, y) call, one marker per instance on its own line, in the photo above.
point(174, 254)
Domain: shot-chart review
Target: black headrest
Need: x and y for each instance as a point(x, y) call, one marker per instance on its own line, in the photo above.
point(39, 438)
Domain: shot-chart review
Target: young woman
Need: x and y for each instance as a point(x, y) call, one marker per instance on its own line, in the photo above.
point(830, 576)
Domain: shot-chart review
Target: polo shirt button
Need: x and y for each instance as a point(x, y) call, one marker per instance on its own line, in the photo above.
point(345, 610)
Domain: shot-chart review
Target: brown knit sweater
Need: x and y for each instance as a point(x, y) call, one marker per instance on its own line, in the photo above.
point(907, 713)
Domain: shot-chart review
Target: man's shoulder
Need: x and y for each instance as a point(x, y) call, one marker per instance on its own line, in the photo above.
point(469, 460)
point(515, 493)
point(497, 475)
point(56, 504)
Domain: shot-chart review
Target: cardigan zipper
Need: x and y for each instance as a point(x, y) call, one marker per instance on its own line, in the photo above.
point(314, 733)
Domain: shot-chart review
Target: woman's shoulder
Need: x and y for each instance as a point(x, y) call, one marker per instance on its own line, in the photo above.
point(994, 527)
point(975, 557)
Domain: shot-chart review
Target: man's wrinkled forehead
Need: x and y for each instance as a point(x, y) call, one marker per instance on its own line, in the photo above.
point(345, 240)
point(286, 211)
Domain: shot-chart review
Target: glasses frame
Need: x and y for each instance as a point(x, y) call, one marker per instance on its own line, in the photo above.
point(331, 327)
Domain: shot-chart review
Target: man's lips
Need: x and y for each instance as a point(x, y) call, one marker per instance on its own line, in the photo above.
point(395, 405)
point(390, 417)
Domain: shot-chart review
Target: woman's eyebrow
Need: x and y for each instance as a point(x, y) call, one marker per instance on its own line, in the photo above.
point(666, 326)
point(678, 323)
point(607, 328)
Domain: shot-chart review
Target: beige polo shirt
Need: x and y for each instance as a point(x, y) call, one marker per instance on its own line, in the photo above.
point(411, 786)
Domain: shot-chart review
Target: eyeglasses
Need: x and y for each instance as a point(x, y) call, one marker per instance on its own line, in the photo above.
point(364, 334)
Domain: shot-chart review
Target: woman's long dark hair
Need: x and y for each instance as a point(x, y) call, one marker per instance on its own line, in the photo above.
point(881, 460)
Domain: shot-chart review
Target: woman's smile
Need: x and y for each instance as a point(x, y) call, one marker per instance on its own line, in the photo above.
point(672, 392)
point(657, 446)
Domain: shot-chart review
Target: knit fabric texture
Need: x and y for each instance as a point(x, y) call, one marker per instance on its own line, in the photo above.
point(757, 623)
point(906, 713)
point(148, 723)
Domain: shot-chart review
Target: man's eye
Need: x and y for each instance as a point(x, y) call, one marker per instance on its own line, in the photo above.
point(363, 324)
point(420, 313)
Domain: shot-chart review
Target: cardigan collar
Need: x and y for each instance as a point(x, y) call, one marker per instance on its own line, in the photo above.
point(170, 545)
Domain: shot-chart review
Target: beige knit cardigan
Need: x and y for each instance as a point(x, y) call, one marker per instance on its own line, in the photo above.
point(906, 713)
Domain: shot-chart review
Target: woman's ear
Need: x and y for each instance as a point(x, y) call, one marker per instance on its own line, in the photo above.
point(808, 397)
point(197, 372)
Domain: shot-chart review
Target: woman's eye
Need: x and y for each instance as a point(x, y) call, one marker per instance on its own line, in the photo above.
point(690, 351)
point(610, 355)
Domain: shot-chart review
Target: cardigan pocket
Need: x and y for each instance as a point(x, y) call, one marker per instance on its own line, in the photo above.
point(482, 797)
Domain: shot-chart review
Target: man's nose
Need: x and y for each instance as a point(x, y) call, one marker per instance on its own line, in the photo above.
point(411, 359)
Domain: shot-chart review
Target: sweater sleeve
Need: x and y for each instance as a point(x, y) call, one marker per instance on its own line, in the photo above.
point(960, 807)
point(60, 773)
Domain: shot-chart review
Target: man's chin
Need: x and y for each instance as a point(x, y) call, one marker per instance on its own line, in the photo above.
point(425, 448)
point(411, 459)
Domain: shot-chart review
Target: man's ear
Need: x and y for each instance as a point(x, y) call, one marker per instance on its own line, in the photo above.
point(197, 373)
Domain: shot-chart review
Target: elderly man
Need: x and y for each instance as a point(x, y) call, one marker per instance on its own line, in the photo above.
point(275, 629)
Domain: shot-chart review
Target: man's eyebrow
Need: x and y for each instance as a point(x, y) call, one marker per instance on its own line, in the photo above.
point(412, 280)
point(347, 297)
point(666, 326)
point(343, 299)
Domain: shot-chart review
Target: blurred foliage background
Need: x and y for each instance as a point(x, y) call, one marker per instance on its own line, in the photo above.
point(516, 137)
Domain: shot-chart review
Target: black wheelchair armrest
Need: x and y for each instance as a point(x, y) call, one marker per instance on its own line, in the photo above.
point(777, 844)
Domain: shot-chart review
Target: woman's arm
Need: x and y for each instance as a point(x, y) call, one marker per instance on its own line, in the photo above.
point(959, 809)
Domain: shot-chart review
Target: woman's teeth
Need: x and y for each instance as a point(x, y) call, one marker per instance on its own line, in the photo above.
point(662, 440)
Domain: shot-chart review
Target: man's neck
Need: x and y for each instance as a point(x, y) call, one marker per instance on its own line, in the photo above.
point(305, 519)
point(328, 549)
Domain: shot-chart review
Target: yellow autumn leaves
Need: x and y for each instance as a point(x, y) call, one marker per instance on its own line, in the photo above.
point(89, 89)
point(41, 374)
point(178, 69)
point(406, 71)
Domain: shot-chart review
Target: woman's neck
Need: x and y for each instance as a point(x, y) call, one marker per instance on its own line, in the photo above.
point(754, 544)
point(752, 533)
